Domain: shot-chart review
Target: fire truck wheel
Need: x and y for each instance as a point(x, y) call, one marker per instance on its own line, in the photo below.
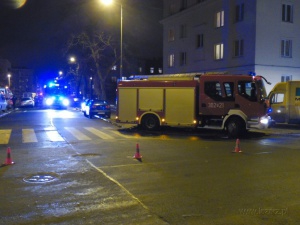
point(235, 128)
point(150, 122)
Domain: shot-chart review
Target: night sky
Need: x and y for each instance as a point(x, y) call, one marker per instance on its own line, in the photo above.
point(35, 35)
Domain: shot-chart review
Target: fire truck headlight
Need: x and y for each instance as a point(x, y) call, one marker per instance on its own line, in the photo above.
point(265, 120)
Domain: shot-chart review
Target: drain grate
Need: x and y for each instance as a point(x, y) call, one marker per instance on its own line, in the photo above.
point(40, 178)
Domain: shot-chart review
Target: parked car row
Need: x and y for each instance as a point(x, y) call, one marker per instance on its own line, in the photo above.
point(95, 107)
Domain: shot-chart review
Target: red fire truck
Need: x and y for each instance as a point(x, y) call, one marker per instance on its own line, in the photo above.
point(233, 102)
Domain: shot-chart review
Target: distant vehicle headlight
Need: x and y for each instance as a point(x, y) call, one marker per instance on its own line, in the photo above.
point(65, 102)
point(49, 101)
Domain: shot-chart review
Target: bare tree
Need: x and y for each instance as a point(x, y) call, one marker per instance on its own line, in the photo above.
point(101, 49)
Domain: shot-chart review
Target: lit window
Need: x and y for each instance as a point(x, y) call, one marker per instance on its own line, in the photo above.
point(238, 48)
point(219, 50)
point(220, 19)
point(287, 13)
point(151, 69)
point(199, 41)
point(239, 12)
point(183, 31)
point(171, 60)
point(182, 58)
point(286, 48)
point(114, 68)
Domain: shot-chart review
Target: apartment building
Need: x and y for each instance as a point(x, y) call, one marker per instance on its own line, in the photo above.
point(237, 36)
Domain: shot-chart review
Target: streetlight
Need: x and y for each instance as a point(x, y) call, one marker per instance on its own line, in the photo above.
point(91, 79)
point(109, 2)
point(9, 76)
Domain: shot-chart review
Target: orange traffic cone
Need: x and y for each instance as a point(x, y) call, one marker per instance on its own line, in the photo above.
point(8, 160)
point(137, 153)
point(237, 148)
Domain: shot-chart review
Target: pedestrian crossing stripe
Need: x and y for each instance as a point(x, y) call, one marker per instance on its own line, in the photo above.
point(28, 136)
point(76, 133)
point(99, 133)
point(4, 136)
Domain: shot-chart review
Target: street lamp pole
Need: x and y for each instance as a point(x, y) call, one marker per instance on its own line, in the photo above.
point(121, 43)
point(108, 2)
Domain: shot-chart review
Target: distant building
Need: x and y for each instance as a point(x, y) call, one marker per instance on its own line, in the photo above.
point(237, 36)
point(22, 80)
point(4, 71)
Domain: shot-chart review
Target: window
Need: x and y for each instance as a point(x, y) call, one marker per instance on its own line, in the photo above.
point(151, 69)
point(239, 12)
point(183, 31)
point(229, 90)
point(171, 60)
point(171, 35)
point(172, 8)
point(213, 90)
point(247, 90)
point(277, 98)
point(297, 92)
point(238, 48)
point(287, 13)
point(219, 49)
point(183, 4)
point(219, 19)
point(286, 48)
point(182, 58)
point(199, 41)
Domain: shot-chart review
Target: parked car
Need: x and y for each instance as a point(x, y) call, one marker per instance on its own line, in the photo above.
point(83, 106)
point(3, 103)
point(27, 102)
point(97, 107)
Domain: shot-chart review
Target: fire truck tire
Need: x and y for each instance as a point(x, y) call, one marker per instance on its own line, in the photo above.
point(236, 127)
point(150, 122)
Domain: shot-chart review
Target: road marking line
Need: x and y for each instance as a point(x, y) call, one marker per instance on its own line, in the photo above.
point(4, 136)
point(76, 133)
point(119, 184)
point(28, 135)
point(99, 133)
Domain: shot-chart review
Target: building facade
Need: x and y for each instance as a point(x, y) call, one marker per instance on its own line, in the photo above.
point(236, 36)
point(22, 80)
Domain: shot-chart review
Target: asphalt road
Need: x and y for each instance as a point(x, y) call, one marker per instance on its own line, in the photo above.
point(72, 170)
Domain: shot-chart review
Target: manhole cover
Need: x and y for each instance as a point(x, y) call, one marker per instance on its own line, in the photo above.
point(40, 178)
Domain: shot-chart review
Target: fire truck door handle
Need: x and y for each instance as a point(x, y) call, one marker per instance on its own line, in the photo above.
point(237, 106)
point(203, 105)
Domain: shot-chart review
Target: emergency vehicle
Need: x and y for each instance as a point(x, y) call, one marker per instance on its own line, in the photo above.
point(233, 102)
point(285, 102)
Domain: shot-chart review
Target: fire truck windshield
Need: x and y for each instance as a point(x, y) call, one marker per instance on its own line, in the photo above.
point(262, 90)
